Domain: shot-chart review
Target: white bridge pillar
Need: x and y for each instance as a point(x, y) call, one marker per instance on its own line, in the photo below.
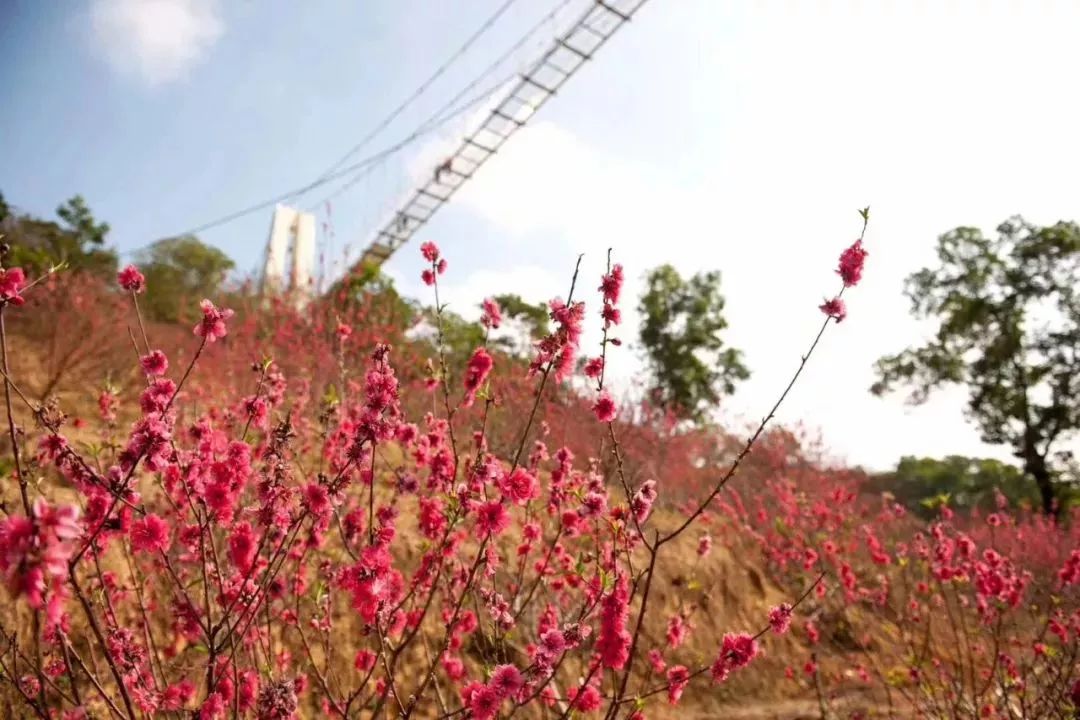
point(290, 255)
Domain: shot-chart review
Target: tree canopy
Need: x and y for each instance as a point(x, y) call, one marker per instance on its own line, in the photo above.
point(181, 271)
point(1008, 312)
point(525, 322)
point(78, 240)
point(964, 483)
point(690, 367)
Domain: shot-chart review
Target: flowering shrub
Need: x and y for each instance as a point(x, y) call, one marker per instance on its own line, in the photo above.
point(364, 538)
point(71, 339)
point(962, 617)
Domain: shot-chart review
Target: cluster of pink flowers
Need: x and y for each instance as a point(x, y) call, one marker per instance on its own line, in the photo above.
point(476, 373)
point(430, 252)
point(613, 642)
point(1070, 572)
point(642, 502)
point(594, 368)
point(851, 264)
point(11, 284)
point(834, 308)
point(611, 287)
point(604, 408)
point(677, 631)
point(519, 487)
point(850, 270)
point(34, 554)
point(483, 701)
point(780, 618)
point(678, 677)
point(736, 651)
point(492, 518)
point(131, 279)
point(154, 363)
point(559, 349)
point(491, 315)
point(150, 534)
point(212, 326)
point(381, 414)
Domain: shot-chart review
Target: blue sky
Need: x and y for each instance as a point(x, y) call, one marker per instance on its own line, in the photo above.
point(738, 136)
point(162, 128)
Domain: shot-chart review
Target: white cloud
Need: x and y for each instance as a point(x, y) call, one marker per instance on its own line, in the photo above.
point(792, 121)
point(158, 41)
point(776, 257)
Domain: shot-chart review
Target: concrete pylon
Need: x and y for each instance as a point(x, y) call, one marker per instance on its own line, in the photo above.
point(290, 255)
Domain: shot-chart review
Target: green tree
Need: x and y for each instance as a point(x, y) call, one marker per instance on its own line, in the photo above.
point(179, 272)
point(1008, 309)
point(364, 277)
point(77, 240)
point(681, 324)
point(527, 322)
point(922, 484)
point(367, 282)
point(460, 337)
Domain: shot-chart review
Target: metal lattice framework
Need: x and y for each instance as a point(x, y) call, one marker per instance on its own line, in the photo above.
point(565, 57)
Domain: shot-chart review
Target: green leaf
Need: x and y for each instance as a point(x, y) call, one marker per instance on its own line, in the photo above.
point(331, 397)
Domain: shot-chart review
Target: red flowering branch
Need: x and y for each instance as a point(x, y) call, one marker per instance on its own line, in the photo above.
point(525, 583)
point(430, 277)
point(850, 269)
point(567, 311)
point(772, 626)
point(11, 287)
point(12, 434)
point(546, 367)
point(851, 263)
